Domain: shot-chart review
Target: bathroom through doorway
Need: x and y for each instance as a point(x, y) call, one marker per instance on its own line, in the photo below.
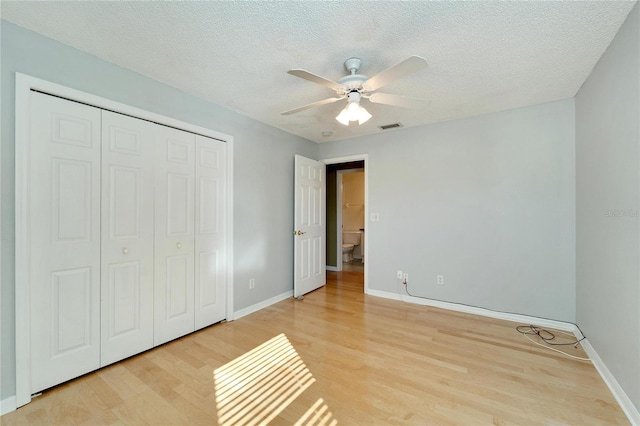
point(350, 220)
point(346, 215)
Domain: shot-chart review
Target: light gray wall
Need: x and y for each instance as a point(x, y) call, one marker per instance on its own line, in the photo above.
point(263, 166)
point(607, 203)
point(486, 201)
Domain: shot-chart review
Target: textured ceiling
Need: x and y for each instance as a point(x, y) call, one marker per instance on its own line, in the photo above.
point(483, 56)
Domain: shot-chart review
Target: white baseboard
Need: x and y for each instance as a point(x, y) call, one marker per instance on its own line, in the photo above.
point(623, 399)
point(261, 305)
point(558, 325)
point(8, 405)
point(333, 268)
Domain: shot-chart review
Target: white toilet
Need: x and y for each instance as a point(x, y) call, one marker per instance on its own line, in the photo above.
point(350, 240)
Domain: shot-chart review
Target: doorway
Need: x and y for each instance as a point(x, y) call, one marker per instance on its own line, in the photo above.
point(347, 214)
point(350, 217)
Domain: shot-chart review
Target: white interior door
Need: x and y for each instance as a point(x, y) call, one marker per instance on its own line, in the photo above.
point(210, 231)
point(309, 226)
point(174, 234)
point(127, 236)
point(64, 237)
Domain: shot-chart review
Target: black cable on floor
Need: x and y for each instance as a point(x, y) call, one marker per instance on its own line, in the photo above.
point(545, 335)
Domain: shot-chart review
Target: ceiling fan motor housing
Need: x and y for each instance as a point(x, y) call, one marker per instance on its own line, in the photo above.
point(353, 82)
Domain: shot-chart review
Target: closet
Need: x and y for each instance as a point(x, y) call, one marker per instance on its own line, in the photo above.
point(126, 236)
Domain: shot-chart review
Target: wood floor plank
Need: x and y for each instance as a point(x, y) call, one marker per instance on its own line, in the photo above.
point(374, 361)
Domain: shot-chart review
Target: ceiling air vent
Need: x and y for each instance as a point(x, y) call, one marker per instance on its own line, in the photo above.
point(390, 126)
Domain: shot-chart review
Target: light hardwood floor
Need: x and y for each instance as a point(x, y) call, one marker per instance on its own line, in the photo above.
point(374, 362)
point(353, 266)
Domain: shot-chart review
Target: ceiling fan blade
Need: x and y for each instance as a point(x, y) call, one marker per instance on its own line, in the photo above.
point(396, 100)
point(313, 105)
point(316, 79)
point(404, 68)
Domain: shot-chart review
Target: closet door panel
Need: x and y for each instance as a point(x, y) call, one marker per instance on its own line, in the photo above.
point(174, 234)
point(210, 239)
point(64, 239)
point(127, 236)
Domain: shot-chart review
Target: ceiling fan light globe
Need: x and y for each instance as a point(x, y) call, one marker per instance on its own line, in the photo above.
point(343, 117)
point(353, 111)
point(363, 116)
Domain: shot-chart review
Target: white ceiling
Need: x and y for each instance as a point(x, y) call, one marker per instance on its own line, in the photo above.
point(483, 56)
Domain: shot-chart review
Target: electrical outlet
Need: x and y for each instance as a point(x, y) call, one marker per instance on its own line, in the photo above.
point(252, 283)
point(399, 274)
point(440, 279)
point(405, 278)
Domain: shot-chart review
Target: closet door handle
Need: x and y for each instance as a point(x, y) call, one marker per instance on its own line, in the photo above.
point(125, 250)
point(179, 245)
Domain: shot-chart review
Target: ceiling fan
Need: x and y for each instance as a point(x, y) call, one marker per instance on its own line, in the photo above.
point(355, 86)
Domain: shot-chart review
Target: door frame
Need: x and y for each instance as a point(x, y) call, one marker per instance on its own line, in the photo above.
point(368, 233)
point(23, 86)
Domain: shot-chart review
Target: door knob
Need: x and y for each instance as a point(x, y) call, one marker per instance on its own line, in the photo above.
point(125, 250)
point(298, 232)
point(179, 245)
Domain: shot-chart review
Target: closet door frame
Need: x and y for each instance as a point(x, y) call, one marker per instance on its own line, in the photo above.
point(24, 85)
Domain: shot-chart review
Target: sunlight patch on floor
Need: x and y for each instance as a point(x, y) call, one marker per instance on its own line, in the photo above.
point(257, 386)
point(318, 414)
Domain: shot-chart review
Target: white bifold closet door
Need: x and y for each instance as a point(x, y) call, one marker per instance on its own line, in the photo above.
point(190, 224)
point(210, 238)
point(174, 234)
point(127, 236)
point(64, 240)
